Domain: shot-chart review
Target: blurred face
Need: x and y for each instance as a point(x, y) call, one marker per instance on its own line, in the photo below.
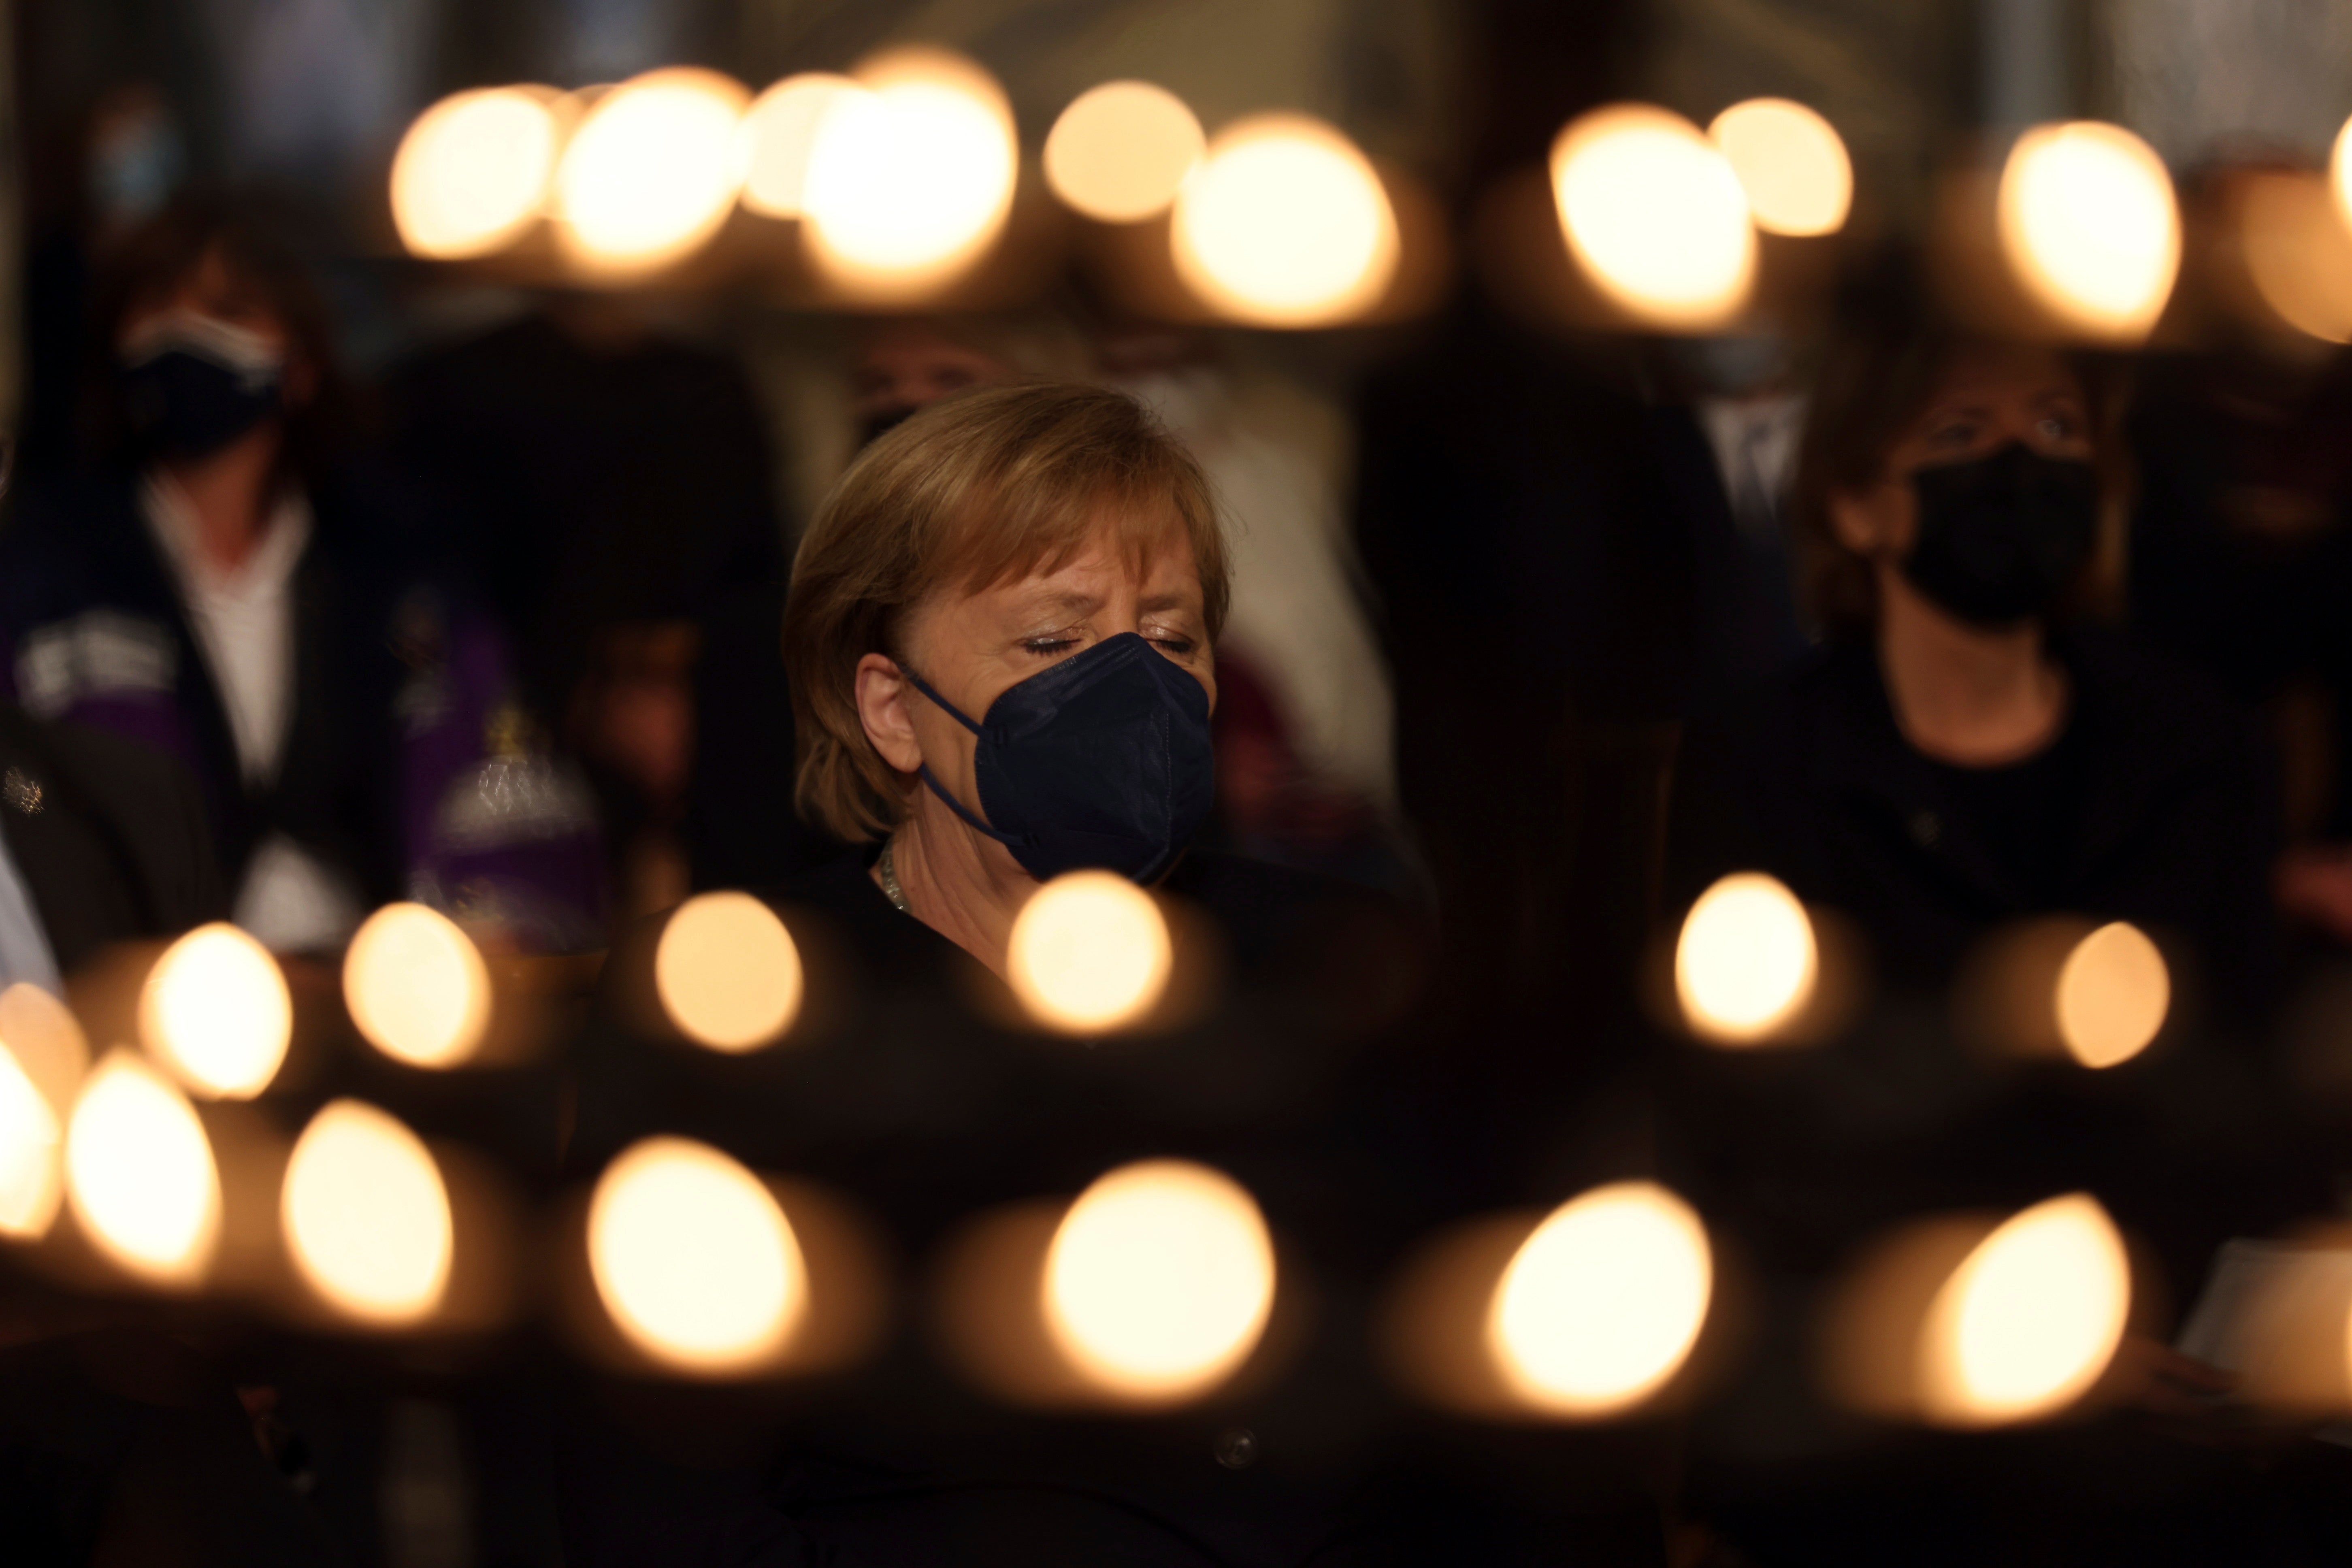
point(909, 367)
point(1989, 399)
point(212, 288)
point(973, 646)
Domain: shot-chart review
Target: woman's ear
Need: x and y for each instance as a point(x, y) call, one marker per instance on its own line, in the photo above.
point(1867, 521)
point(882, 688)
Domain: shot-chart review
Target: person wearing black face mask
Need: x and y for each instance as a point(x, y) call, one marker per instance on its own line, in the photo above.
point(1000, 638)
point(1968, 750)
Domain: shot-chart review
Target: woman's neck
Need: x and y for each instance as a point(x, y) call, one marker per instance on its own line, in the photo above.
point(229, 493)
point(953, 883)
point(1963, 694)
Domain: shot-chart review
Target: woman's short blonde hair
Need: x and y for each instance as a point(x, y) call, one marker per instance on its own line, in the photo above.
point(978, 489)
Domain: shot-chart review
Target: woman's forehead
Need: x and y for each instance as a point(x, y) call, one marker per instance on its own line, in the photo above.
point(2003, 370)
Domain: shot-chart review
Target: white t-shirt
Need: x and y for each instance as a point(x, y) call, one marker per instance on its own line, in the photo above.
point(243, 619)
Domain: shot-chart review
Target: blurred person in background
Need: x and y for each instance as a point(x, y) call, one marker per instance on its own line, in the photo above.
point(231, 581)
point(1002, 643)
point(609, 485)
point(1969, 749)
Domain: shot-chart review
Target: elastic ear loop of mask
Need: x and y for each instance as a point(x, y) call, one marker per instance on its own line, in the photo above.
point(952, 711)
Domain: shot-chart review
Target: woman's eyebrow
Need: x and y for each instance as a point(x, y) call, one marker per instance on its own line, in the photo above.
point(1062, 601)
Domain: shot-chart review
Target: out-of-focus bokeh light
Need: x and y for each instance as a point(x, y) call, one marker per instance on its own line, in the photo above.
point(694, 1258)
point(1091, 952)
point(651, 171)
point(1160, 1280)
point(2090, 226)
point(31, 1183)
point(47, 1042)
point(366, 1217)
point(2113, 994)
point(1655, 214)
point(2030, 1321)
point(472, 173)
point(1285, 223)
point(2294, 240)
point(778, 132)
point(1791, 163)
point(216, 1013)
point(1747, 963)
point(1601, 1307)
point(1120, 151)
point(2339, 173)
point(910, 181)
point(728, 973)
point(417, 987)
point(141, 1174)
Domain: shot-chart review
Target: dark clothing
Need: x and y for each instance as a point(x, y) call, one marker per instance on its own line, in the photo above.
point(399, 701)
point(109, 837)
point(593, 488)
point(910, 1103)
point(2155, 808)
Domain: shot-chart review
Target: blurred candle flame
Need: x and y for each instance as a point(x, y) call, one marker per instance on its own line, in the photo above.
point(1089, 953)
point(1120, 151)
point(2088, 221)
point(778, 133)
point(728, 973)
point(366, 1216)
point(1160, 1280)
point(1602, 1306)
point(2030, 1319)
point(1747, 963)
point(910, 180)
point(2293, 238)
point(141, 1174)
point(1285, 223)
point(2113, 994)
point(694, 1259)
point(417, 987)
point(1791, 161)
point(31, 1184)
point(1656, 214)
point(215, 1010)
point(651, 171)
point(472, 172)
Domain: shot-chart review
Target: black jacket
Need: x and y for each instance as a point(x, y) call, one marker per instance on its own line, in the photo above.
point(1813, 782)
point(109, 835)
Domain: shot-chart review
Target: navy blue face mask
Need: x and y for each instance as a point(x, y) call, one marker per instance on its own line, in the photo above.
point(1102, 760)
point(191, 384)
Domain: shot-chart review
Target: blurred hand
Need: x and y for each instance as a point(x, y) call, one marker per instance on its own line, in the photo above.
point(2314, 884)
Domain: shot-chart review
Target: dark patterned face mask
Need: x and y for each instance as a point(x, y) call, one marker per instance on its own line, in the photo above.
point(193, 384)
point(1102, 760)
point(2002, 537)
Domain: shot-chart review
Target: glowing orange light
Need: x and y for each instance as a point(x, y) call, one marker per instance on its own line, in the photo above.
point(778, 133)
point(1089, 953)
point(2298, 251)
point(1747, 963)
point(651, 171)
point(1655, 212)
point(694, 1258)
point(140, 1172)
point(31, 1183)
point(1602, 1305)
point(2088, 221)
point(216, 1013)
point(2113, 995)
point(366, 1216)
point(1791, 161)
point(728, 973)
point(2030, 1321)
point(910, 180)
point(472, 173)
point(1120, 151)
point(417, 986)
point(1160, 1280)
point(1285, 223)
